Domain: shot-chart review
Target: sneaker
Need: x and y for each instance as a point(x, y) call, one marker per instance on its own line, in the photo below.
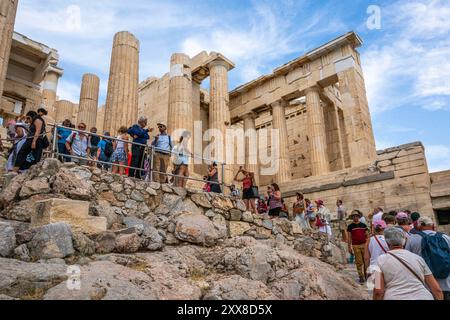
point(361, 280)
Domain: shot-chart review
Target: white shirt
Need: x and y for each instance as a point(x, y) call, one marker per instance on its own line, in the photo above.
point(375, 249)
point(377, 217)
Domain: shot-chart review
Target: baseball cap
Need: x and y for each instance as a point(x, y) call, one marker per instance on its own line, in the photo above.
point(401, 215)
point(425, 221)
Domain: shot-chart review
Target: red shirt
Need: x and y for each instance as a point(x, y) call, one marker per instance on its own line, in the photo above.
point(358, 232)
point(246, 183)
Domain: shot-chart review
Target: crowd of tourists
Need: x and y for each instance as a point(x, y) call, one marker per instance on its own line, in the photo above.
point(400, 250)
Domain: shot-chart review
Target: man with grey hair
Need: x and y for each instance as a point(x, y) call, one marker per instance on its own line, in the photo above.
point(140, 135)
point(426, 228)
point(403, 275)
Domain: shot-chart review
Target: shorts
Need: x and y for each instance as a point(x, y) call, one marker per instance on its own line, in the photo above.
point(119, 156)
point(275, 212)
point(93, 152)
point(248, 194)
point(342, 225)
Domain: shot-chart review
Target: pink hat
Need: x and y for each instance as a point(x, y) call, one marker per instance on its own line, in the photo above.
point(401, 215)
point(380, 223)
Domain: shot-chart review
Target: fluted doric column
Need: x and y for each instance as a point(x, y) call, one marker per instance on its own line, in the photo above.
point(316, 133)
point(8, 9)
point(219, 114)
point(180, 117)
point(122, 96)
point(279, 122)
point(49, 88)
point(251, 145)
point(87, 112)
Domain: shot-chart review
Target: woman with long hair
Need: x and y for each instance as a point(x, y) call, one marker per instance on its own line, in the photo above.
point(248, 182)
point(275, 203)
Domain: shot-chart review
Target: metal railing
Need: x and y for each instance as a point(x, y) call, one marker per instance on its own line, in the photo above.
point(149, 154)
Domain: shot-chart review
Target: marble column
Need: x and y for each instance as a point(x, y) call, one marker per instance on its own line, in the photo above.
point(316, 133)
point(219, 114)
point(8, 9)
point(122, 95)
point(64, 110)
point(251, 145)
point(87, 113)
point(180, 117)
point(49, 88)
point(279, 122)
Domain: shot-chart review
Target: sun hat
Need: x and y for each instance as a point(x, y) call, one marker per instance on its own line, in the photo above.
point(380, 223)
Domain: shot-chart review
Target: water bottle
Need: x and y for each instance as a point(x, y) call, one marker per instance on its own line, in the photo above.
point(351, 258)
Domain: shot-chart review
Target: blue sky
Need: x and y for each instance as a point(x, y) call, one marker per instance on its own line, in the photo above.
point(406, 62)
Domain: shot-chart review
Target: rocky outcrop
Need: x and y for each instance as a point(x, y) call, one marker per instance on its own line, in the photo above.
point(155, 242)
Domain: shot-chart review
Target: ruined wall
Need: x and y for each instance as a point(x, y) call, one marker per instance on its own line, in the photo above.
point(440, 197)
point(30, 97)
point(400, 180)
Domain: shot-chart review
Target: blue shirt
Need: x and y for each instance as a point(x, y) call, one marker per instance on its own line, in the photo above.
point(142, 134)
point(101, 145)
point(64, 133)
point(163, 143)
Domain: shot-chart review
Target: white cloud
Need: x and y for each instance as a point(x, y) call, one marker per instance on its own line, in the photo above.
point(438, 157)
point(68, 90)
point(411, 61)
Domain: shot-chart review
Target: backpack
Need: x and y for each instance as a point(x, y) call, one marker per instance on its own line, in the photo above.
point(436, 253)
point(109, 150)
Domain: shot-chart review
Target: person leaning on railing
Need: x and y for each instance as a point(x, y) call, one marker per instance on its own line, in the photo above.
point(31, 151)
point(78, 144)
point(180, 160)
point(140, 135)
point(163, 146)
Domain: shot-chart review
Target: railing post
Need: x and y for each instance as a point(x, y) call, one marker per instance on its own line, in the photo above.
point(55, 139)
point(151, 164)
point(223, 177)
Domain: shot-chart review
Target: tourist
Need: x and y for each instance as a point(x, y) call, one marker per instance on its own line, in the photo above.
point(234, 192)
point(213, 178)
point(262, 206)
point(163, 146)
point(274, 200)
point(403, 275)
point(435, 251)
point(94, 140)
point(377, 215)
point(403, 223)
point(19, 139)
point(341, 214)
point(415, 219)
point(140, 135)
point(357, 233)
point(36, 142)
point(376, 246)
point(248, 188)
point(323, 212)
point(42, 112)
point(284, 212)
point(62, 134)
point(120, 153)
point(310, 214)
point(105, 151)
point(77, 144)
point(207, 185)
point(181, 154)
point(299, 211)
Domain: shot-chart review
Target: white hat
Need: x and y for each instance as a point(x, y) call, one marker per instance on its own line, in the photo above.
point(426, 221)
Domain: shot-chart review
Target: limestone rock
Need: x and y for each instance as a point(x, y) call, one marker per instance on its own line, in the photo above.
point(151, 191)
point(116, 187)
point(235, 215)
point(7, 239)
point(195, 228)
point(221, 225)
point(83, 244)
point(268, 224)
point(24, 280)
point(223, 203)
point(150, 238)
point(202, 200)
point(22, 253)
point(154, 185)
point(73, 212)
point(11, 190)
point(81, 173)
point(104, 209)
point(180, 191)
point(105, 242)
point(238, 228)
point(137, 196)
point(128, 243)
point(240, 205)
point(33, 187)
point(69, 184)
point(236, 287)
point(51, 241)
point(247, 216)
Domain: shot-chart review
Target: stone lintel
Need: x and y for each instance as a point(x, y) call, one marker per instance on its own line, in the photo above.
point(398, 148)
point(348, 183)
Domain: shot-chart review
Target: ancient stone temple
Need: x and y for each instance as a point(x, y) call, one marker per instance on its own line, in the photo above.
point(314, 108)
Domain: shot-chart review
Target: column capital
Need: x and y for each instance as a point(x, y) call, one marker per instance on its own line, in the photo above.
point(278, 103)
point(250, 115)
point(217, 59)
point(314, 88)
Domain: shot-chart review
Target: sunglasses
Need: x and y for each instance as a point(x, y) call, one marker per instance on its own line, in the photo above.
point(81, 128)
